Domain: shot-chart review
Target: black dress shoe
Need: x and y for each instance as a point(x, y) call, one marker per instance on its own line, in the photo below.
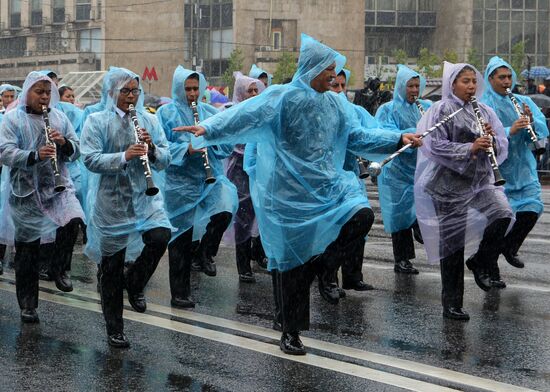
point(291, 344)
point(513, 260)
point(180, 302)
point(358, 286)
point(277, 326)
point(63, 283)
point(247, 277)
point(44, 275)
point(118, 340)
point(208, 266)
point(497, 283)
point(262, 262)
point(328, 290)
point(196, 265)
point(29, 316)
point(138, 302)
point(341, 292)
point(455, 314)
point(481, 277)
point(405, 267)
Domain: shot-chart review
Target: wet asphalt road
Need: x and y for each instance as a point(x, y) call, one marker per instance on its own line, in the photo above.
point(389, 339)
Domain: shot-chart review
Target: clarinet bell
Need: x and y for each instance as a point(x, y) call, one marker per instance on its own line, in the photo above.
point(363, 170)
point(58, 185)
point(499, 181)
point(374, 169)
point(539, 147)
point(151, 190)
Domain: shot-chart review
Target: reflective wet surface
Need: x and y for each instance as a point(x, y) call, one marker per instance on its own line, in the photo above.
point(507, 339)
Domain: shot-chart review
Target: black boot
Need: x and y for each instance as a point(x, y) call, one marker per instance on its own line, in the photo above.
point(179, 257)
point(118, 340)
point(292, 344)
point(405, 267)
point(243, 255)
point(452, 286)
point(494, 275)
point(328, 288)
point(481, 276)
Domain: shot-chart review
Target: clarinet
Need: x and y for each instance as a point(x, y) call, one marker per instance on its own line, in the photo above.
point(363, 168)
point(538, 147)
point(490, 151)
point(204, 152)
point(151, 190)
point(58, 181)
point(375, 168)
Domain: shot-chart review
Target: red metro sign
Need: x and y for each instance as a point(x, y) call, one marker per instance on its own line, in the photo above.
point(150, 74)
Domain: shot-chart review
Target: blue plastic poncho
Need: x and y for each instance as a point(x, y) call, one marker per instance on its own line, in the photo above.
point(76, 169)
point(396, 182)
point(522, 186)
point(256, 72)
point(190, 202)
point(35, 207)
point(304, 195)
point(454, 193)
point(117, 208)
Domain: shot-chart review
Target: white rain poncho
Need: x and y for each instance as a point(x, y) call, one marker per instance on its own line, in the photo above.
point(118, 211)
point(36, 209)
point(190, 202)
point(520, 168)
point(304, 195)
point(454, 193)
point(256, 72)
point(396, 182)
point(6, 228)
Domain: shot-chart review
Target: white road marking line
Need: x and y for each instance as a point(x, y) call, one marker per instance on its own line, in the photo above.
point(381, 359)
point(253, 345)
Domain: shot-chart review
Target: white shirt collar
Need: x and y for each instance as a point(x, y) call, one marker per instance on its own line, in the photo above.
point(121, 113)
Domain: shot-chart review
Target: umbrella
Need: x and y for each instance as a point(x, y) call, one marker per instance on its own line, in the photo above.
point(536, 72)
point(541, 100)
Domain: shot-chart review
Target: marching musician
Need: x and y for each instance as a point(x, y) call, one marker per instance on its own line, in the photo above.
point(8, 95)
point(310, 211)
point(258, 73)
point(396, 182)
point(123, 222)
point(200, 211)
point(245, 218)
point(36, 208)
point(522, 187)
point(457, 203)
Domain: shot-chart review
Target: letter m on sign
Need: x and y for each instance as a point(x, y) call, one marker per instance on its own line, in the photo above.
point(150, 74)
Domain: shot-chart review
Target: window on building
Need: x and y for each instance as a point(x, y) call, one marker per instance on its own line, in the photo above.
point(58, 11)
point(385, 18)
point(15, 14)
point(406, 5)
point(83, 10)
point(277, 39)
point(227, 15)
point(36, 12)
point(204, 16)
point(89, 40)
point(13, 47)
point(426, 5)
point(386, 5)
point(406, 18)
point(370, 18)
point(369, 5)
point(49, 43)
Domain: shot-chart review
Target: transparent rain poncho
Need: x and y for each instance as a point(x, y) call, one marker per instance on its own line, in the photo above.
point(36, 209)
point(396, 182)
point(454, 193)
point(304, 195)
point(234, 169)
point(76, 169)
point(256, 72)
point(6, 228)
point(117, 208)
point(522, 186)
point(190, 202)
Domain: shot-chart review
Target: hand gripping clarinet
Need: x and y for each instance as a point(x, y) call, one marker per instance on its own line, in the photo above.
point(204, 153)
point(58, 186)
point(538, 147)
point(375, 168)
point(490, 151)
point(151, 190)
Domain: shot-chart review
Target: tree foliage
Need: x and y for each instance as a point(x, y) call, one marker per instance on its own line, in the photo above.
point(474, 58)
point(236, 60)
point(518, 55)
point(428, 63)
point(286, 67)
point(400, 56)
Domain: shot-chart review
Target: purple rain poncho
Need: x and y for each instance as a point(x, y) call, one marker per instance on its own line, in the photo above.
point(522, 186)
point(36, 209)
point(454, 193)
point(245, 218)
point(396, 182)
point(304, 194)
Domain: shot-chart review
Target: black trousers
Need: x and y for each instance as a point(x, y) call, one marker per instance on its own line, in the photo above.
point(2, 252)
point(291, 288)
point(452, 267)
point(352, 267)
point(183, 250)
point(403, 245)
point(56, 257)
point(27, 257)
point(525, 221)
point(113, 279)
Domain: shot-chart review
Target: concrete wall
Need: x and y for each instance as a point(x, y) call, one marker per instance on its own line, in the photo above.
point(454, 27)
point(147, 35)
point(339, 24)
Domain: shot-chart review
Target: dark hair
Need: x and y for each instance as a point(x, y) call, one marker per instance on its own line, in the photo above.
point(263, 75)
point(496, 69)
point(63, 89)
point(194, 75)
point(466, 68)
point(51, 75)
point(342, 73)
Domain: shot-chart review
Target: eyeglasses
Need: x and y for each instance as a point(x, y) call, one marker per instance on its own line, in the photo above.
point(252, 90)
point(127, 91)
point(192, 88)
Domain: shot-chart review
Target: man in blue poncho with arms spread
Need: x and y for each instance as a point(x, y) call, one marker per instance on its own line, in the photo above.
point(311, 212)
